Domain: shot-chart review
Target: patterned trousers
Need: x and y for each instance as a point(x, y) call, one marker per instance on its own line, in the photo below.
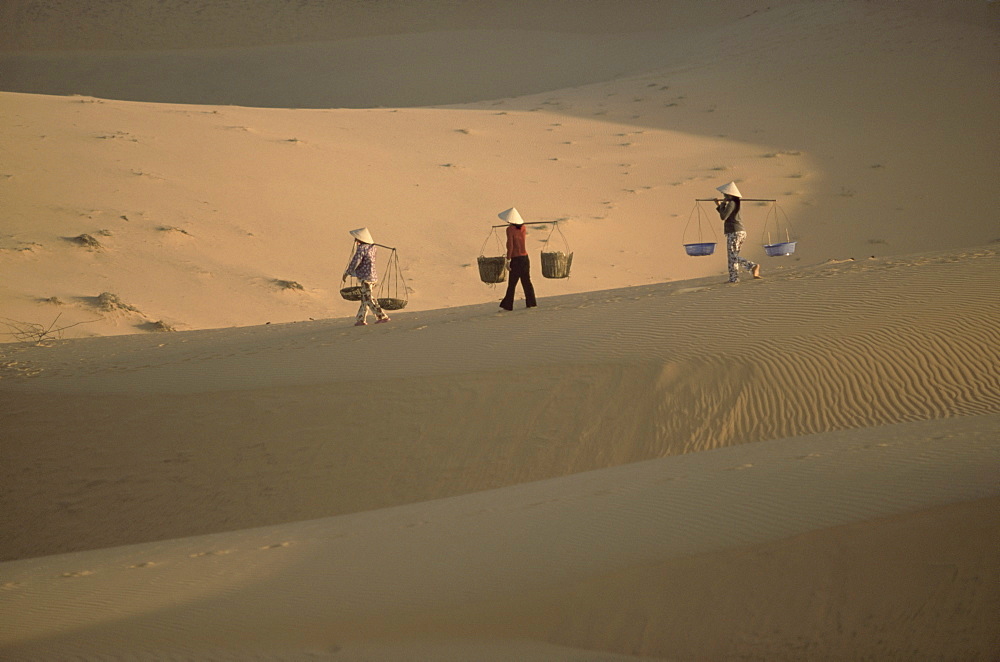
point(734, 242)
point(368, 302)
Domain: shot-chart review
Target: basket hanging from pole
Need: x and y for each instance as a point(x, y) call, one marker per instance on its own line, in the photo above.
point(351, 291)
point(700, 247)
point(556, 264)
point(492, 270)
point(392, 292)
point(779, 248)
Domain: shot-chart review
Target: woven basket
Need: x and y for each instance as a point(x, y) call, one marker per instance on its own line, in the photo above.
point(351, 293)
point(491, 269)
point(389, 303)
point(556, 264)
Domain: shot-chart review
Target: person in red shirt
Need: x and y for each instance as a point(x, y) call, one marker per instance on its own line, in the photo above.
point(517, 260)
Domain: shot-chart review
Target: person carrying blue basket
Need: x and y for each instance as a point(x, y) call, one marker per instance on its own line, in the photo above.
point(729, 212)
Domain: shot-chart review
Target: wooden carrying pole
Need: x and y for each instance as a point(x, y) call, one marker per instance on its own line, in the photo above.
point(742, 199)
point(526, 223)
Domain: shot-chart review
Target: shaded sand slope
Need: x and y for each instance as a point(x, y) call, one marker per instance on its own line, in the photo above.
point(38, 25)
point(832, 546)
point(323, 55)
point(229, 429)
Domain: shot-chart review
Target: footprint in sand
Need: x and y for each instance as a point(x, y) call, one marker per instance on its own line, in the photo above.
point(144, 564)
point(277, 545)
point(214, 552)
point(546, 502)
point(413, 525)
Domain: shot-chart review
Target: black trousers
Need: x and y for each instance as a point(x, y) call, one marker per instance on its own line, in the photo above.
point(520, 272)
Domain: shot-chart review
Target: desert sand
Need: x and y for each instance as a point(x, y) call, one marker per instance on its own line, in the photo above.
point(202, 458)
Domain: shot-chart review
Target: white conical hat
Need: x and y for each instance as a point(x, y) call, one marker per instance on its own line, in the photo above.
point(363, 235)
point(511, 216)
point(730, 189)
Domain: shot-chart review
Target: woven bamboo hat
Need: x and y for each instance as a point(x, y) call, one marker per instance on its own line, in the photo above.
point(511, 216)
point(730, 189)
point(363, 235)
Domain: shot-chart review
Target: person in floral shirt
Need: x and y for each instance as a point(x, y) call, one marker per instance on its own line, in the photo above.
point(362, 267)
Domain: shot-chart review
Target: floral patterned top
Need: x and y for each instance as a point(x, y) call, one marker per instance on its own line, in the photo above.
point(362, 265)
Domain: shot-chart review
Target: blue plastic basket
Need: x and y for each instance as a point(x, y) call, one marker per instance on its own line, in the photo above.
point(699, 249)
point(777, 250)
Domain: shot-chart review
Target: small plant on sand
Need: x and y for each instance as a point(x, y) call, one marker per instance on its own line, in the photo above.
point(288, 284)
point(161, 326)
point(39, 334)
point(112, 302)
point(87, 241)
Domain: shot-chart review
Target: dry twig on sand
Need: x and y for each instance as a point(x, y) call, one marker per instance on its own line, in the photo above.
point(38, 334)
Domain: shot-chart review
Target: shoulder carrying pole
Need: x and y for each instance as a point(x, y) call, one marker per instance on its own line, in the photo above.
point(527, 223)
point(742, 199)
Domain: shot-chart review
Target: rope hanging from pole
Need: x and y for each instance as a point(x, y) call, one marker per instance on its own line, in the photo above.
point(492, 270)
point(556, 264)
point(392, 296)
point(351, 291)
point(700, 247)
point(779, 248)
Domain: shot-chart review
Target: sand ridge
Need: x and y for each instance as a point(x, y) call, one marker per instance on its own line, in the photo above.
point(854, 353)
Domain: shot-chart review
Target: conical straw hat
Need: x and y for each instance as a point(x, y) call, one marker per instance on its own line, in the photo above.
point(511, 216)
point(730, 189)
point(363, 235)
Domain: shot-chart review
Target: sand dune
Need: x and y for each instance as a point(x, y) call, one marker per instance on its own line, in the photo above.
point(874, 140)
point(491, 565)
point(852, 353)
point(588, 537)
point(202, 458)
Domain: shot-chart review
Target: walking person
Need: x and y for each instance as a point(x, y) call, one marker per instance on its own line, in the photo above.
point(362, 267)
point(729, 212)
point(517, 257)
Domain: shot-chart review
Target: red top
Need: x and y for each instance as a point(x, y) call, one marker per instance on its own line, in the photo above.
point(516, 237)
